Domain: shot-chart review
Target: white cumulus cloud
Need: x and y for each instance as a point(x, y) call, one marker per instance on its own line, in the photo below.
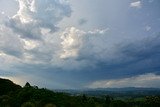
point(71, 42)
point(33, 15)
point(76, 42)
point(30, 35)
point(136, 4)
point(2, 13)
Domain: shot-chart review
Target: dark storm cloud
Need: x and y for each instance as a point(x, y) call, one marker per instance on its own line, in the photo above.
point(132, 59)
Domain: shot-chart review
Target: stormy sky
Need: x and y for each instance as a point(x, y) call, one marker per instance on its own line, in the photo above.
point(76, 44)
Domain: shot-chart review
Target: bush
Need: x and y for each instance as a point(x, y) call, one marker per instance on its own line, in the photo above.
point(50, 105)
point(28, 104)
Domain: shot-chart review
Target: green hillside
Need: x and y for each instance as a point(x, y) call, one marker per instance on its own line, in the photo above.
point(7, 86)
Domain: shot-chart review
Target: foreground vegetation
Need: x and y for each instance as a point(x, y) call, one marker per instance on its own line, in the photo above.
point(12, 95)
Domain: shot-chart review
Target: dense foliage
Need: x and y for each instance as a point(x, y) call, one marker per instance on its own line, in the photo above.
point(31, 96)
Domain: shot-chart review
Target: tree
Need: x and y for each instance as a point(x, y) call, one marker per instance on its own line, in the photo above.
point(118, 103)
point(84, 98)
point(27, 85)
point(108, 99)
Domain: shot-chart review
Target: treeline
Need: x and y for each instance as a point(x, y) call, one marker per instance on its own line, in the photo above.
point(12, 95)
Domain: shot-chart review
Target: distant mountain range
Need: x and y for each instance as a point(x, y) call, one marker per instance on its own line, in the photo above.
point(8, 86)
point(117, 92)
point(127, 89)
